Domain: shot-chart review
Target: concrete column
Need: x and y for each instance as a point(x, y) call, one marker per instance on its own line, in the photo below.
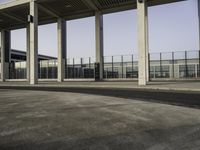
point(142, 13)
point(99, 41)
point(33, 36)
point(28, 53)
point(147, 48)
point(5, 54)
point(61, 27)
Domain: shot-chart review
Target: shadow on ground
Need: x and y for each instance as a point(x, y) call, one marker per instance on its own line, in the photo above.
point(188, 99)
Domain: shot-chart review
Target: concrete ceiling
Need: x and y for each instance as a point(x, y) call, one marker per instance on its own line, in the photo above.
point(14, 14)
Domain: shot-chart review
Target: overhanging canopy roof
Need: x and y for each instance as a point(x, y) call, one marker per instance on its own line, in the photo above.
point(14, 14)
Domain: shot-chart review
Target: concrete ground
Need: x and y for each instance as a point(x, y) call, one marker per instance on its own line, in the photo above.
point(42, 120)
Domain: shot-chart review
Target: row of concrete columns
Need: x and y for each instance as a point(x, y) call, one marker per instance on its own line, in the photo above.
point(32, 45)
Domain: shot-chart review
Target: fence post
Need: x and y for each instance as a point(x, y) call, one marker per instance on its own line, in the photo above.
point(9, 76)
point(66, 69)
point(73, 72)
point(20, 70)
point(16, 74)
point(103, 66)
point(161, 74)
point(40, 69)
point(112, 68)
point(9, 70)
point(122, 61)
point(24, 70)
point(149, 66)
point(199, 65)
point(89, 63)
point(81, 71)
point(55, 74)
point(132, 66)
point(173, 65)
point(186, 67)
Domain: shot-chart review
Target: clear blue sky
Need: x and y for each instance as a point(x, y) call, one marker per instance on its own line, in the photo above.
point(172, 27)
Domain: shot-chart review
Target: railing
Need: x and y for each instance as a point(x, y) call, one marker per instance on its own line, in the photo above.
point(167, 65)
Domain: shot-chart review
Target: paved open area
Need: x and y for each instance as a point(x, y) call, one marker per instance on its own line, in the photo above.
point(42, 120)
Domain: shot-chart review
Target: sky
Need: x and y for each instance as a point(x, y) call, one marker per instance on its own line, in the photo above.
point(172, 27)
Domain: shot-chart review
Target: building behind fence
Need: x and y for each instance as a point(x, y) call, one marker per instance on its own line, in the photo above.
point(173, 65)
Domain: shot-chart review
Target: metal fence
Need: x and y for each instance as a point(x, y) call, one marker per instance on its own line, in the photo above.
point(17, 70)
point(79, 68)
point(168, 65)
point(47, 69)
point(124, 66)
point(175, 65)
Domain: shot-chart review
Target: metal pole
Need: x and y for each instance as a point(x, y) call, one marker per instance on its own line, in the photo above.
point(73, 72)
point(199, 65)
point(66, 69)
point(173, 65)
point(20, 70)
point(47, 69)
point(149, 65)
point(40, 70)
point(186, 67)
point(112, 68)
point(9, 70)
point(89, 68)
point(53, 69)
point(81, 73)
point(122, 61)
point(161, 74)
point(132, 66)
point(89, 63)
point(24, 71)
point(16, 74)
point(103, 66)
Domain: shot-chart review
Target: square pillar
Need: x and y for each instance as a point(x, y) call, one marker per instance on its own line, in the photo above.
point(143, 62)
point(61, 28)
point(5, 54)
point(147, 49)
point(33, 42)
point(99, 42)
